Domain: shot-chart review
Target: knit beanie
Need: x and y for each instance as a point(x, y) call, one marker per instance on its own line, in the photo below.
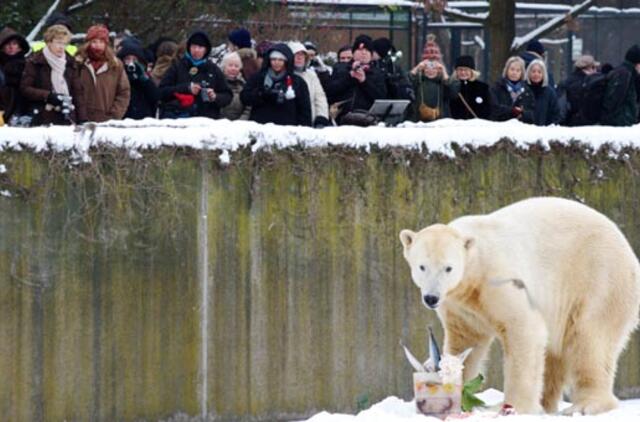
point(536, 47)
point(362, 41)
point(382, 46)
point(431, 49)
point(240, 37)
point(633, 54)
point(97, 32)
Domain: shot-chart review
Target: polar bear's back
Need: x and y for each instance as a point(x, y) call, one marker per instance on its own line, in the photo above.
point(564, 252)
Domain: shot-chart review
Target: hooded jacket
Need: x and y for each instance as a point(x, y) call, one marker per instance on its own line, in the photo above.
point(185, 71)
point(271, 105)
point(11, 101)
point(144, 93)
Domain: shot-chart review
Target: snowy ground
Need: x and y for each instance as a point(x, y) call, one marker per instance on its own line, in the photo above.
point(393, 409)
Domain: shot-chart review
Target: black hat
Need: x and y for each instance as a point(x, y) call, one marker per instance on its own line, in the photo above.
point(633, 54)
point(240, 37)
point(132, 47)
point(536, 47)
point(199, 38)
point(465, 61)
point(362, 41)
point(58, 18)
point(382, 46)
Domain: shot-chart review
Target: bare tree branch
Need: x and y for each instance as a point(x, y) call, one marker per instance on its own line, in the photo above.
point(36, 30)
point(456, 14)
point(553, 24)
point(79, 5)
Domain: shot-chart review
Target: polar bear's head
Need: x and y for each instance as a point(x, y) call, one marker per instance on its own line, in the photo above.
point(437, 257)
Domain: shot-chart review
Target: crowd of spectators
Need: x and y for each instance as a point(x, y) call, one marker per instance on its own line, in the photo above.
point(104, 78)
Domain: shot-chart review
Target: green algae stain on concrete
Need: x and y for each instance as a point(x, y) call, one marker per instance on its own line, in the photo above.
point(309, 293)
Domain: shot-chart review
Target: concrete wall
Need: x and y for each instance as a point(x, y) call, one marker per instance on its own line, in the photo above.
point(101, 269)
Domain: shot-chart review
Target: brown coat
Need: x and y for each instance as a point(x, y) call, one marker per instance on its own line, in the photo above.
point(106, 93)
point(36, 87)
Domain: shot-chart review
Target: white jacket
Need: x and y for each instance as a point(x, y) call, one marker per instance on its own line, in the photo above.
point(319, 104)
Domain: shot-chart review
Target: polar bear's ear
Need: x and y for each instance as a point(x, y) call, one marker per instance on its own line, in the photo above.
point(469, 242)
point(407, 237)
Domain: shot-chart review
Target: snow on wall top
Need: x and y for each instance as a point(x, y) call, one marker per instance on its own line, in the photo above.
point(202, 133)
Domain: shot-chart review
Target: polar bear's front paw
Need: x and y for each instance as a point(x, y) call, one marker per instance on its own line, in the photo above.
point(592, 407)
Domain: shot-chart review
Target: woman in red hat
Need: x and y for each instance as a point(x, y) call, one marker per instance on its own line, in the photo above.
point(105, 86)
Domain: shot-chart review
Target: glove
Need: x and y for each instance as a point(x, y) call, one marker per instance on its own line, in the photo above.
point(54, 99)
point(321, 122)
point(185, 100)
point(516, 111)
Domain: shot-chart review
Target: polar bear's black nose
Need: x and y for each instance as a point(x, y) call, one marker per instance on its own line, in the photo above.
point(430, 300)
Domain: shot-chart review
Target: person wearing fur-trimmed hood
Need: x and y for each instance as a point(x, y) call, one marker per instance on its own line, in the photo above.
point(276, 94)
point(319, 106)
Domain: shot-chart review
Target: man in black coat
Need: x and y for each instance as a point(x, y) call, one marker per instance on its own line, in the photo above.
point(358, 84)
point(144, 93)
point(620, 102)
point(194, 85)
point(470, 97)
point(385, 57)
point(571, 91)
point(276, 94)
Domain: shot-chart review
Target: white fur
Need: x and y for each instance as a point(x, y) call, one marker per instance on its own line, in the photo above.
point(573, 317)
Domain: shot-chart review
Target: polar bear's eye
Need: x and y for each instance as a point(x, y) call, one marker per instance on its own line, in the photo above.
point(422, 268)
point(448, 269)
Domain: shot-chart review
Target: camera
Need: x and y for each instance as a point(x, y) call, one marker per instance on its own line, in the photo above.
point(130, 67)
point(204, 96)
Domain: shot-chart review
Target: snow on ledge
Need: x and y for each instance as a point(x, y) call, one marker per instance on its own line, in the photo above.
point(202, 133)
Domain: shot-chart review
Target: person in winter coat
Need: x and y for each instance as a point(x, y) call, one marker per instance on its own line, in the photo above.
point(511, 98)
point(535, 51)
point(431, 85)
point(386, 58)
point(144, 93)
point(276, 94)
point(319, 105)
point(547, 110)
point(469, 97)
point(165, 54)
point(356, 85)
point(105, 86)
point(620, 102)
point(232, 69)
point(240, 42)
point(317, 64)
point(571, 91)
point(50, 83)
point(194, 85)
point(13, 48)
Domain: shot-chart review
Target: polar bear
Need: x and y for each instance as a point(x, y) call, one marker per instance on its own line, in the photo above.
point(555, 281)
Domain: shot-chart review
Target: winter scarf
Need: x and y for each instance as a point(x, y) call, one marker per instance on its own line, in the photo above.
point(272, 78)
point(58, 66)
point(515, 89)
point(196, 63)
point(97, 58)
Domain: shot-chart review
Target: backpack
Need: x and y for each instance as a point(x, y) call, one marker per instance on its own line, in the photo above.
point(593, 91)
